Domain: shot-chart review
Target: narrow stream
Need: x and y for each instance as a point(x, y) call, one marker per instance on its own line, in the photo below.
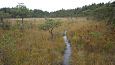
point(67, 52)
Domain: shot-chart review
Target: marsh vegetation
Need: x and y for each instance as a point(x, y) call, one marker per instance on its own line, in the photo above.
point(30, 38)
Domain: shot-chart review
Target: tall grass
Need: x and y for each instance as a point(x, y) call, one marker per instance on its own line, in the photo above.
point(93, 43)
point(30, 46)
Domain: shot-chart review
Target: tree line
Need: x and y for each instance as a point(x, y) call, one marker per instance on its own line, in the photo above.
point(98, 11)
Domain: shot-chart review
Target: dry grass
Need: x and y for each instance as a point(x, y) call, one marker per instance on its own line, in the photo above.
point(93, 43)
point(31, 46)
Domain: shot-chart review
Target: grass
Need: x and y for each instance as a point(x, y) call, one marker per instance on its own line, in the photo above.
point(93, 43)
point(31, 47)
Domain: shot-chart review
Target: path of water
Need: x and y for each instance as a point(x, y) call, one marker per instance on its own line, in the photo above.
point(67, 52)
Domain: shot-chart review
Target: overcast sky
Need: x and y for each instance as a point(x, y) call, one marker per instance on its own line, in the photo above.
point(50, 5)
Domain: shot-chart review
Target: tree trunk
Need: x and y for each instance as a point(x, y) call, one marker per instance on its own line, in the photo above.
point(22, 20)
point(2, 22)
point(1, 19)
point(22, 24)
point(51, 35)
point(51, 32)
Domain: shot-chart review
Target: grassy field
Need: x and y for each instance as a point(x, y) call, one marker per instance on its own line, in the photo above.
point(92, 42)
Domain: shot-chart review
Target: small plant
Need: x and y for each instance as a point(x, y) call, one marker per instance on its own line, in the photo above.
point(49, 25)
point(95, 34)
point(109, 46)
point(80, 44)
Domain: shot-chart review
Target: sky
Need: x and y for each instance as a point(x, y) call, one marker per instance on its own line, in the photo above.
point(50, 5)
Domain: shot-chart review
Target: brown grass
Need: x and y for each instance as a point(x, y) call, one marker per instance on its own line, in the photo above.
point(32, 46)
point(93, 43)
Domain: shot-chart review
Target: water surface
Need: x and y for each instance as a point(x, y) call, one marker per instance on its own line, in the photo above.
point(67, 52)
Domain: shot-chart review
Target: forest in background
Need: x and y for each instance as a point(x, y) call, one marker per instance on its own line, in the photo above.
point(34, 37)
point(101, 11)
